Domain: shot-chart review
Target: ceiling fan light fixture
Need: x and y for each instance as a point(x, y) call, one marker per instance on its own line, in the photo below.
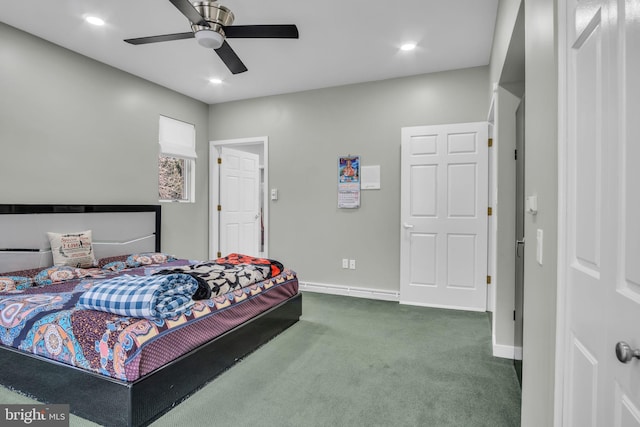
point(209, 39)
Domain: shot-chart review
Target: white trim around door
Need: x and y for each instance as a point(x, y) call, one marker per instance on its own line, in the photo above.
point(258, 144)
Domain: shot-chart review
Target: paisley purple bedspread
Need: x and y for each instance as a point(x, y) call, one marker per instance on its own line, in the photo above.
point(44, 320)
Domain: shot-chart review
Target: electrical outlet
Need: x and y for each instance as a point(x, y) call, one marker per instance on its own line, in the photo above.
point(352, 264)
point(345, 263)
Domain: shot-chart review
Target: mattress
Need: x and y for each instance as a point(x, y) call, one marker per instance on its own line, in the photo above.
point(46, 321)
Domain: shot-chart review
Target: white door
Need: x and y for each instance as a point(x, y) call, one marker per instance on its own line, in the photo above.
point(444, 192)
point(239, 202)
point(599, 263)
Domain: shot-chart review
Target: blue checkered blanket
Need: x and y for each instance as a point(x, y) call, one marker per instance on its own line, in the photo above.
point(141, 296)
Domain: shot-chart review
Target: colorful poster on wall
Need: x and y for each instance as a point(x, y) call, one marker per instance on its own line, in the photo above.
point(349, 182)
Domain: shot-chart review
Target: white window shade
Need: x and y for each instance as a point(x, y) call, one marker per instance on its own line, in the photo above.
point(177, 139)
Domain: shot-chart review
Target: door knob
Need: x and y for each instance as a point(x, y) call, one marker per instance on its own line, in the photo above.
point(625, 353)
point(407, 225)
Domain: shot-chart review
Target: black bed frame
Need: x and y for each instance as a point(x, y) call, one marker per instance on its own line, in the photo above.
point(111, 402)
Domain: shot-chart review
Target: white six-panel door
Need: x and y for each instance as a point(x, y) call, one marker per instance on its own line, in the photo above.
point(444, 191)
point(240, 202)
point(599, 264)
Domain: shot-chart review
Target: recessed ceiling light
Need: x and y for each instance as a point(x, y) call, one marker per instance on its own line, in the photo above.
point(215, 81)
point(408, 46)
point(94, 20)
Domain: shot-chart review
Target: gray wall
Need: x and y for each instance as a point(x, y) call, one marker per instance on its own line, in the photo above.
point(505, 22)
point(540, 281)
point(541, 178)
point(73, 130)
point(308, 131)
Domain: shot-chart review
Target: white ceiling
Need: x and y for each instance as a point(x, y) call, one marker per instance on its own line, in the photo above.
point(341, 41)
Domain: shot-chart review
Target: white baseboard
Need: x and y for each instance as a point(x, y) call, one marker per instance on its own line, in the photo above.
point(507, 351)
point(352, 291)
point(448, 307)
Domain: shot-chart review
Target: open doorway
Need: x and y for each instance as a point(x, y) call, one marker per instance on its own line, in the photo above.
point(256, 147)
point(507, 98)
point(512, 80)
point(520, 212)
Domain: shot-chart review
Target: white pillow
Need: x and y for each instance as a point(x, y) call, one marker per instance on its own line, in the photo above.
point(72, 249)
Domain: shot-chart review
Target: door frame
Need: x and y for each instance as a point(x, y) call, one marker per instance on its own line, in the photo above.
point(563, 159)
point(214, 185)
point(502, 268)
point(520, 213)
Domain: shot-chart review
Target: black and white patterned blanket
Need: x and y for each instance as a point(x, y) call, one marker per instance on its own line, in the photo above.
point(226, 274)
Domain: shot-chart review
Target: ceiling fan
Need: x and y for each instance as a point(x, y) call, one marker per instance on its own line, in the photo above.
point(211, 26)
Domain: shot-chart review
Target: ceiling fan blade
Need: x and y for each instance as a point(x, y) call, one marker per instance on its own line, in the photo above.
point(162, 38)
point(190, 12)
point(230, 59)
point(262, 31)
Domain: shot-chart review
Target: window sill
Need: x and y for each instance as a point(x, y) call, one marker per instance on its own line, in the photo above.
point(176, 201)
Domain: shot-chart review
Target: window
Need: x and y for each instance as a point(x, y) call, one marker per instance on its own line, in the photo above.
point(173, 178)
point(176, 162)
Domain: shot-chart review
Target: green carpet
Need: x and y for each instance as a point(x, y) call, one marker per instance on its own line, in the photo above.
point(358, 362)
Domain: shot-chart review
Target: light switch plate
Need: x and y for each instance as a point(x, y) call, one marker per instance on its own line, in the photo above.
point(539, 245)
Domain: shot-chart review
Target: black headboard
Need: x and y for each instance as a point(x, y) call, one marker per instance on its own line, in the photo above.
point(117, 229)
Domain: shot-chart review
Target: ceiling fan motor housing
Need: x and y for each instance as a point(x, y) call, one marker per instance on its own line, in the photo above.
point(217, 16)
point(210, 23)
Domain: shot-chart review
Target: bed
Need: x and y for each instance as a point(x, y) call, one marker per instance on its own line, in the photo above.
point(126, 368)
